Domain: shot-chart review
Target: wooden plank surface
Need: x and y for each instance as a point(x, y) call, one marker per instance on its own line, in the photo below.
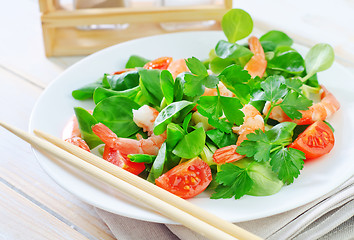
point(22, 219)
point(20, 170)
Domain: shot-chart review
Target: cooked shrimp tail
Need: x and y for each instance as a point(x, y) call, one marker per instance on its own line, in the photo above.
point(257, 65)
point(143, 117)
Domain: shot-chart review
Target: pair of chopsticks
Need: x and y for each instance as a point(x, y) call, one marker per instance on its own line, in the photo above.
point(169, 205)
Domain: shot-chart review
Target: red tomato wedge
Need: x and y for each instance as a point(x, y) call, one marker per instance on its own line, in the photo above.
point(78, 141)
point(161, 63)
point(315, 141)
point(115, 157)
point(186, 180)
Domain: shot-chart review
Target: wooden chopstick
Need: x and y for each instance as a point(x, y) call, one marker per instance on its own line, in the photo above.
point(166, 209)
point(166, 203)
point(150, 188)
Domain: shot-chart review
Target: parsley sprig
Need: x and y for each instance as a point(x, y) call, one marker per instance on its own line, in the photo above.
point(271, 146)
point(285, 94)
point(233, 181)
point(216, 107)
point(268, 147)
point(198, 79)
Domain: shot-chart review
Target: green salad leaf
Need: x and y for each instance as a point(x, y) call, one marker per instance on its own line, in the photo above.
point(116, 113)
point(101, 93)
point(86, 92)
point(150, 85)
point(236, 80)
point(236, 24)
point(288, 60)
point(136, 61)
point(123, 81)
point(167, 86)
point(265, 181)
point(181, 108)
point(199, 78)
point(191, 145)
point(273, 39)
point(158, 167)
point(271, 145)
point(221, 139)
point(319, 58)
point(86, 121)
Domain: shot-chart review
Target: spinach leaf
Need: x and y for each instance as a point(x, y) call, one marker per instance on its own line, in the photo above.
point(86, 121)
point(224, 49)
point(123, 81)
point(157, 168)
point(174, 134)
point(186, 121)
point(275, 38)
point(167, 86)
point(288, 60)
point(102, 93)
point(191, 144)
point(319, 58)
point(236, 24)
point(86, 91)
point(150, 85)
point(221, 139)
point(136, 61)
point(181, 108)
point(116, 113)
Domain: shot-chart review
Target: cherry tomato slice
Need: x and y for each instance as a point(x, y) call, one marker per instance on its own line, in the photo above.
point(186, 180)
point(161, 63)
point(115, 157)
point(78, 141)
point(315, 141)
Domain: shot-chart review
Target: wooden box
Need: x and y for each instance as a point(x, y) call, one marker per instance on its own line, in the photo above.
point(63, 37)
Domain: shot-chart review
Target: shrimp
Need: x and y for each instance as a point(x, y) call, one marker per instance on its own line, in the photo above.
point(253, 120)
point(318, 111)
point(71, 133)
point(257, 65)
point(126, 146)
point(178, 66)
point(223, 91)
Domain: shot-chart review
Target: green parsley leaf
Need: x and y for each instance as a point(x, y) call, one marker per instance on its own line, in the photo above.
point(198, 79)
point(196, 67)
point(233, 180)
point(294, 84)
point(213, 107)
point(236, 80)
point(287, 163)
point(274, 88)
point(294, 102)
point(257, 145)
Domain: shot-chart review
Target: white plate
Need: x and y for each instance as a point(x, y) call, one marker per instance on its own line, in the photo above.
point(55, 107)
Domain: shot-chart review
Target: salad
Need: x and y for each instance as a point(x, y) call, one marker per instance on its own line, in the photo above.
point(241, 122)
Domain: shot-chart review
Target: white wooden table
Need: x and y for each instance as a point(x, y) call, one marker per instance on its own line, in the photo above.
point(32, 206)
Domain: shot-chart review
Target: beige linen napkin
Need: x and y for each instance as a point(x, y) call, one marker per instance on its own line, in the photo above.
point(329, 217)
